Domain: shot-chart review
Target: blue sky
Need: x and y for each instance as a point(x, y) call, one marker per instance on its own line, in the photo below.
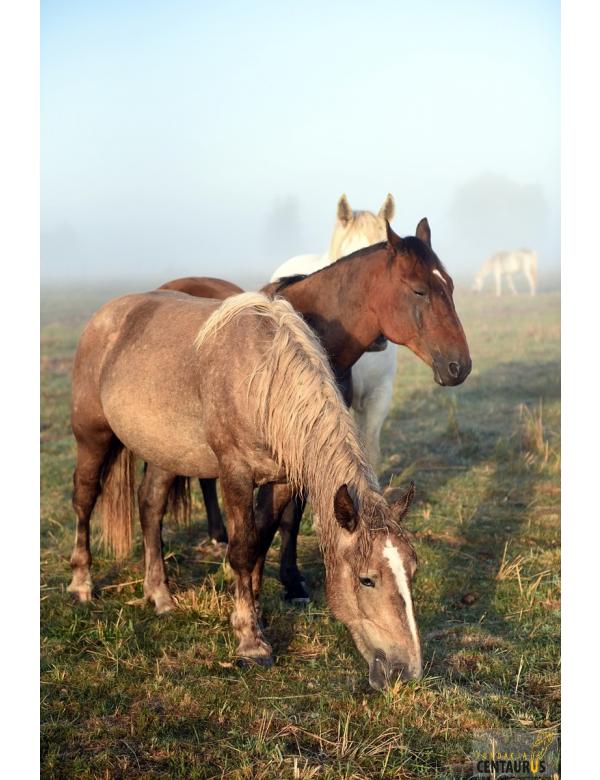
point(215, 138)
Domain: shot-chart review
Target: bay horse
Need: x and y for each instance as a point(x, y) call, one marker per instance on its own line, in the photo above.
point(505, 264)
point(373, 375)
point(397, 289)
point(242, 391)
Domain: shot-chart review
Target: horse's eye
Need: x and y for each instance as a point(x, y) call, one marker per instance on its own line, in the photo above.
point(367, 582)
point(420, 293)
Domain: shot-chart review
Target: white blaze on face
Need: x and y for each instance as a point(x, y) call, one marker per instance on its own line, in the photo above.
point(439, 273)
point(399, 572)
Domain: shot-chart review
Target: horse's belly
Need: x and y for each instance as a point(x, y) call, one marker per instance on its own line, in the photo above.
point(511, 264)
point(167, 437)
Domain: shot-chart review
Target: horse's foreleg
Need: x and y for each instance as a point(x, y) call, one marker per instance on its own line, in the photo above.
point(531, 281)
point(86, 487)
point(237, 490)
point(271, 501)
point(152, 495)
point(498, 280)
point(289, 573)
point(216, 526)
point(511, 284)
point(375, 409)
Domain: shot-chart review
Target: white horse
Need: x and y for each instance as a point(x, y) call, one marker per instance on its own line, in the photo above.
point(373, 374)
point(506, 264)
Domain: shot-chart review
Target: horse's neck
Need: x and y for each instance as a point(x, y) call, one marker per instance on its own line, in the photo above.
point(333, 303)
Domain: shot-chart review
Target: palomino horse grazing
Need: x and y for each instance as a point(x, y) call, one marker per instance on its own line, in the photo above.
point(506, 264)
point(399, 289)
point(373, 375)
point(241, 391)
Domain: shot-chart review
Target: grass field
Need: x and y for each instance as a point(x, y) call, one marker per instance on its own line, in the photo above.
point(125, 694)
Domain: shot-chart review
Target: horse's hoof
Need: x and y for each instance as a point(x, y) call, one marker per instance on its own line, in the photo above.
point(244, 662)
point(82, 594)
point(266, 662)
point(164, 609)
point(297, 594)
point(79, 599)
point(300, 602)
point(219, 538)
point(163, 605)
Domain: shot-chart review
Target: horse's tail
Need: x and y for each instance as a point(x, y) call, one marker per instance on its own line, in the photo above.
point(179, 501)
point(116, 501)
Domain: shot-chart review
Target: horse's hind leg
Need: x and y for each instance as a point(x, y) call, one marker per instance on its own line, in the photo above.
point(237, 490)
point(289, 573)
point(91, 455)
point(152, 495)
point(216, 526)
point(511, 284)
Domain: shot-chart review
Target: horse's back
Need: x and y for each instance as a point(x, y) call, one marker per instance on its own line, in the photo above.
point(528, 259)
point(203, 287)
point(300, 264)
point(510, 262)
point(136, 370)
point(128, 318)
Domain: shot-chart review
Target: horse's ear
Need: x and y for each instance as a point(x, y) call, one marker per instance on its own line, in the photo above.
point(344, 509)
point(402, 505)
point(392, 238)
point(344, 212)
point(424, 232)
point(388, 208)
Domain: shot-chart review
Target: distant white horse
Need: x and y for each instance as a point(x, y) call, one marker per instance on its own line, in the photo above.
point(506, 264)
point(373, 374)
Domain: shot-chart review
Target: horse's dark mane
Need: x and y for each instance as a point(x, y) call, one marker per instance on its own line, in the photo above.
point(420, 250)
point(286, 281)
point(367, 250)
point(410, 244)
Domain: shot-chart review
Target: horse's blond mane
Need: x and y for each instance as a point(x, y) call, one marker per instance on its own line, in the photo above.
point(365, 225)
point(303, 418)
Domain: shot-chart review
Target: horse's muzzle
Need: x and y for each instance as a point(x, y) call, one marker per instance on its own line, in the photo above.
point(382, 673)
point(453, 372)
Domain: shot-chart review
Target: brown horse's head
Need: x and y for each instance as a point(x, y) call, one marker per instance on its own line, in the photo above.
point(418, 309)
point(370, 587)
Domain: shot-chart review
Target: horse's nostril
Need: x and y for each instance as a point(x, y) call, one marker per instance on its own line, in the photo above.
point(454, 370)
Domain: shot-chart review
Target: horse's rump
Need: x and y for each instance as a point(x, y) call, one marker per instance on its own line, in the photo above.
point(203, 287)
